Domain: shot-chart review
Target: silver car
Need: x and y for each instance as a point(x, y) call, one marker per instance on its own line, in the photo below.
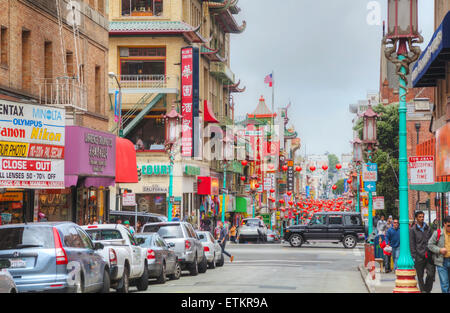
point(7, 284)
point(161, 259)
point(187, 247)
point(252, 229)
point(212, 249)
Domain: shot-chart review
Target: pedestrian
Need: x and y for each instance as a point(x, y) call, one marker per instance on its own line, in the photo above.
point(389, 222)
point(139, 226)
point(176, 218)
point(387, 251)
point(439, 244)
point(42, 217)
point(223, 234)
point(382, 224)
point(233, 233)
point(119, 221)
point(393, 240)
point(419, 235)
point(127, 225)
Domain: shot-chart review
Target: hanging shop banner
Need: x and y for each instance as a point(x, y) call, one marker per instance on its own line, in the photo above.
point(421, 169)
point(189, 98)
point(290, 175)
point(22, 122)
point(31, 173)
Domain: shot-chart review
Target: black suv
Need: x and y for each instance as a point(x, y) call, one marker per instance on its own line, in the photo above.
point(345, 227)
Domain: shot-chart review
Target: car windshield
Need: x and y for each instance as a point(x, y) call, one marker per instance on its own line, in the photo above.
point(165, 231)
point(104, 234)
point(26, 237)
point(146, 240)
point(251, 223)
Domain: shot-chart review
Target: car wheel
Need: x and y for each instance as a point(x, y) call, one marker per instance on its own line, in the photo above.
point(296, 241)
point(203, 266)
point(221, 261)
point(177, 273)
point(349, 242)
point(106, 282)
point(125, 282)
point(193, 267)
point(162, 276)
point(142, 282)
point(212, 265)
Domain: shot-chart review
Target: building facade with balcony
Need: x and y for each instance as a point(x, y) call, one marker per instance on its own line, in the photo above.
point(145, 54)
point(54, 61)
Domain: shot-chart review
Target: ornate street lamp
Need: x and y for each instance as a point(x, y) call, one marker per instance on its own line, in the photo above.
point(402, 34)
point(357, 158)
point(173, 122)
point(228, 154)
point(253, 190)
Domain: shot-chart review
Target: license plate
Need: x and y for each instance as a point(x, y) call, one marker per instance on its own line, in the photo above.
point(17, 263)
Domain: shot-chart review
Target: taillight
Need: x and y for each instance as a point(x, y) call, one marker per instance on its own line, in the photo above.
point(187, 245)
point(206, 249)
point(112, 257)
point(61, 256)
point(150, 254)
point(93, 226)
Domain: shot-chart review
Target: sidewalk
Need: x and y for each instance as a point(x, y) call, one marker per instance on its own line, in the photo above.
point(385, 283)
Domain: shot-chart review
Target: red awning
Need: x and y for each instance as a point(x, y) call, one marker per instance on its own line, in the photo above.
point(209, 114)
point(126, 167)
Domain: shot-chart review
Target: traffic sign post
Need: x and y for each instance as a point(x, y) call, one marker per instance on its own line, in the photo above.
point(370, 177)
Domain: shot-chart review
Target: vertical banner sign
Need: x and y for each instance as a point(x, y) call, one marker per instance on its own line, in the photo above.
point(196, 102)
point(187, 64)
point(290, 175)
point(116, 106)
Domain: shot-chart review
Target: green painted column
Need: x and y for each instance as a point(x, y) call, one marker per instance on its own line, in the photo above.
point(357, 192)
point(405, 260)
point(223, 194)
point(169, 214)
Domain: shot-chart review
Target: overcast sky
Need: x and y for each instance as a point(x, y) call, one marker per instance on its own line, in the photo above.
point(325, 56)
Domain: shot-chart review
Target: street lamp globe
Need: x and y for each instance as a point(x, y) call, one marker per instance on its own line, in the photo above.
point(370, 126)
point(172, 121)
point(357, 150)
point(402, 19)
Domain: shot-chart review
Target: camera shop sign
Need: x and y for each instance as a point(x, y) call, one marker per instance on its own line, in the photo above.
point(421, 169)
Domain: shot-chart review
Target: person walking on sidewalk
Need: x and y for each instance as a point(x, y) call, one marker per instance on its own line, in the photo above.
point(439, 244)
point(393, 240)
point(419, 235)
point(223, 236)
point(382, 224)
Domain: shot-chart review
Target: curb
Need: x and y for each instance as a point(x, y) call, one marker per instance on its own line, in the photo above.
point(364, 272)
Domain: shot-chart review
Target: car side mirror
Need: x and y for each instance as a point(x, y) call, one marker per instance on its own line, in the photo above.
point(98, 246)
point(140, 241)
point(5, 264)
point(171, 245)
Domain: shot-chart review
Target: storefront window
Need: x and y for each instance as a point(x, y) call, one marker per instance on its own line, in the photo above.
point(90, 206)
point(11, 207)
point(142, 7)
point(55, 204)
point(149, 135)
point(150, 203)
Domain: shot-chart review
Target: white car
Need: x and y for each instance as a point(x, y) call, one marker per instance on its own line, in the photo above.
point(252, 229)
point(213, 251)
point(7, 284)
point(126, 259)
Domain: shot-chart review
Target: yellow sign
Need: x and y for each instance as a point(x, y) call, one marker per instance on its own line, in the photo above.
point(13, 149)
point(11, 196)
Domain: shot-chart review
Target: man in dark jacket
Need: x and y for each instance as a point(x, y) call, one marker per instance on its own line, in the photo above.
point(419, 235)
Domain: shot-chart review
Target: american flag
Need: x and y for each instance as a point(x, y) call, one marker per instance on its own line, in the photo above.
point(268, 80)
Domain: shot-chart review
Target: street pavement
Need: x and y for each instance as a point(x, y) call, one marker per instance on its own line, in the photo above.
point(276, 268)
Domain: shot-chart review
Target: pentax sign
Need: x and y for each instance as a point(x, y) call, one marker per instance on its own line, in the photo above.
point(421, 170)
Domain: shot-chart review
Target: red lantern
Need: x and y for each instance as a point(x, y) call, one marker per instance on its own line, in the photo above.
point(244, 162)
point(312, 168)
point(284, 167)
point(299, 203)
point(291, 203)
point(281, 201)
point(256, 185)
point(334, 187)
point(349, 181)
point(272, 190)
point(324, 167)
point(243, 178)
point(273, 200)
point(283, 209)
point(289, 193)
point(338, 166)
point(271, 167)
point(298, 169)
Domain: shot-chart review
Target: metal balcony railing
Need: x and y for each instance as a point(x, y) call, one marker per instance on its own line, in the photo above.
point(62, 92)
point(145, 81)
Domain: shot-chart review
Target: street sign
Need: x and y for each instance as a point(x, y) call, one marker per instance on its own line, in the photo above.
point(370, 186)
point(129, 199)
point(370, 171)
point(378, 203)
point(421, 170)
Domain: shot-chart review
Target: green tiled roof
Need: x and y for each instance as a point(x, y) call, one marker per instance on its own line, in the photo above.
point(151, 26)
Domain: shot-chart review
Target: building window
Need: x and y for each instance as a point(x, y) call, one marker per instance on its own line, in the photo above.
point(48, 60)
point(26, 60)
point(98, 91)
point(142, 63)
point(142, 7)
point(69, 63)
point(149, 134)
point(4, 46)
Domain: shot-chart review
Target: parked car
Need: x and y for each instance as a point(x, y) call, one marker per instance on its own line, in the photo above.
point(187, 247)
point(273, 236)
point(53, 256)
point(125, 257)
point(162, 260)
point(252, 229)
point(213, 251)
point(132, 216)
point(345, 227)
point(7, 284)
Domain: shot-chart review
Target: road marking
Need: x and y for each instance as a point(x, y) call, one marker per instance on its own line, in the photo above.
point(283, 261)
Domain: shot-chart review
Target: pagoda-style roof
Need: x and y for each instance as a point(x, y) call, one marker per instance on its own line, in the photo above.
point(211, 54)
point(223, 11)
point(222, 5)
point(121, 28)
point(262, 110)
point(235, 88)
point(290, 133)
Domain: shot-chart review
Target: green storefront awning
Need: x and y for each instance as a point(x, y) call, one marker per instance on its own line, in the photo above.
point(241, 205)
point(436, 187)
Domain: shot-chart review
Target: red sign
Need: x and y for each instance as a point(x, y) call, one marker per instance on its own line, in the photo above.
point(26, 165)
point(45, 151)
point(187, 65)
